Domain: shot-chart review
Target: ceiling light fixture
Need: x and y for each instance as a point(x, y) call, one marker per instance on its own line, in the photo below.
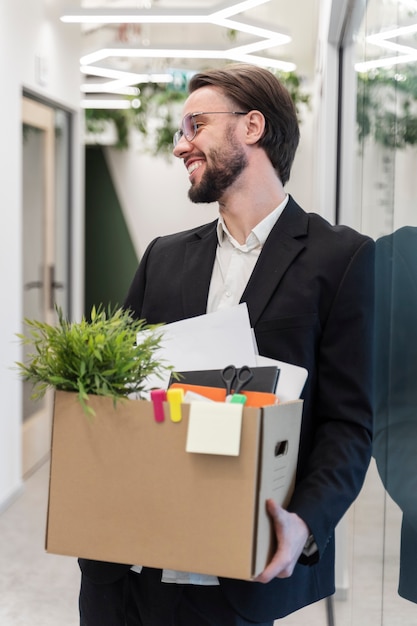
point(116, 16)
point(390, 45)
point(119, 16)
point(128, 78)
point(238, 7)
point(114, 86)
point(251, 29)
point(382, 37)
point(255, 47)
point(219, 16)
point(407, 54)
point(156, 16)
point(365, 66)
point(105, 104)
point(184, 53)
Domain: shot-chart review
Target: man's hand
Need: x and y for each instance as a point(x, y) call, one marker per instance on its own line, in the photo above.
point(291, 533)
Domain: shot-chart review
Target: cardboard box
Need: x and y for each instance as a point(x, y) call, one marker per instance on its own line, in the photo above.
point(124, 489)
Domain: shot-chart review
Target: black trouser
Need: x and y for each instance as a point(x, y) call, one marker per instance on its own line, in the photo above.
point(143, 600)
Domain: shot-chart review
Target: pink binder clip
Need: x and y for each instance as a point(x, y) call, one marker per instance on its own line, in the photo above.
point(158, 397)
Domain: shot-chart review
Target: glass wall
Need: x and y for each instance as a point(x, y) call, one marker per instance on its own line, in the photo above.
point(386, 71)
point(376, 542)
point(382, 178)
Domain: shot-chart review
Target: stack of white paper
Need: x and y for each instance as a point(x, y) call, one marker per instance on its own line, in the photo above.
point(215, 340)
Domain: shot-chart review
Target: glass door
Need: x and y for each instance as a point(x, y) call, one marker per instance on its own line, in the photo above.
point(45, 281)
point(379, 144)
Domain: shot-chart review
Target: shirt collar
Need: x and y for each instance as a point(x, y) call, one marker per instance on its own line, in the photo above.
point(258, 234)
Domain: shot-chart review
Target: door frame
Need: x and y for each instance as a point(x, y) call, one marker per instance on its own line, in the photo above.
point(36, 430)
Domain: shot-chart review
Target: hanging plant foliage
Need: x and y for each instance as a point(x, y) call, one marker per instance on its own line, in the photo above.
point(387, 107)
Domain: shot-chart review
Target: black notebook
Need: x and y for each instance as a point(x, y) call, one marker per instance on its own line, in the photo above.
point(264, 379)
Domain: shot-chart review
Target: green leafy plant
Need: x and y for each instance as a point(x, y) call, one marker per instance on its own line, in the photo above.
point(293, 82)
point(99, 357)
point(387, 107)
point(96, 120)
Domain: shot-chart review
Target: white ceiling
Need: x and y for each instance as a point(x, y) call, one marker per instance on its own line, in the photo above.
point(296, 18)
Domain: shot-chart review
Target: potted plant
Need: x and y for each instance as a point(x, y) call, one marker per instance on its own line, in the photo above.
point(100, 356)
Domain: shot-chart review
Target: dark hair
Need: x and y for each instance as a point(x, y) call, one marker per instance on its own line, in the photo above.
point(254, 88)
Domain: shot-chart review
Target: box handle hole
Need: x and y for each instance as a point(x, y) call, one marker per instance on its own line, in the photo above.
point(281, 448)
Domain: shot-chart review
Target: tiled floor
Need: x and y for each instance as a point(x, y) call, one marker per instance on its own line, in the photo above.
point(39, 589)
point(36, 589)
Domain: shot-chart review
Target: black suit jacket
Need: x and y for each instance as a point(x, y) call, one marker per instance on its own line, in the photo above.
point(396, 387)
point(310, 301)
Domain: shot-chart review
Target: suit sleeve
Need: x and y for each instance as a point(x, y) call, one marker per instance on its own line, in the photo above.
point(136, 293)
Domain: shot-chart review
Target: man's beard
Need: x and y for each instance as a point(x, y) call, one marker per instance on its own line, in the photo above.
point(222, 171)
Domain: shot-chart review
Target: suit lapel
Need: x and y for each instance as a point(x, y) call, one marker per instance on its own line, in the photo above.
point(281, 248)
point(198, 266)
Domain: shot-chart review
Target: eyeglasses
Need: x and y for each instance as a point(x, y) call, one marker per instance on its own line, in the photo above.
point(189, 125)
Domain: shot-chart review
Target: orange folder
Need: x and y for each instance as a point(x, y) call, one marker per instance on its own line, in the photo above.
point(214, 393)
point(218, 394)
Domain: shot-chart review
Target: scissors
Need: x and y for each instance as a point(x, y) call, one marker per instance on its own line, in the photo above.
point(236, 378)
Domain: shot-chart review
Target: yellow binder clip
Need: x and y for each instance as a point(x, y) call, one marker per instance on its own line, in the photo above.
point(175, 398)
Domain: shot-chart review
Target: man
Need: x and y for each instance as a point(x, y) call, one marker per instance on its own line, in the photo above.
point(308, 288)
point(395, 387)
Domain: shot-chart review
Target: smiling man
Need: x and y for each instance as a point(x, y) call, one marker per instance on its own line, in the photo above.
point(308, 286)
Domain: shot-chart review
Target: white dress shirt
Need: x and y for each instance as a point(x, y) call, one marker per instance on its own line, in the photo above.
point(235, 262)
